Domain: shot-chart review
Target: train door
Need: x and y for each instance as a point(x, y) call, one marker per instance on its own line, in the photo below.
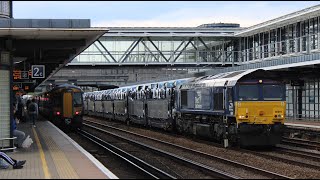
point(229, 101)
point(67, 104)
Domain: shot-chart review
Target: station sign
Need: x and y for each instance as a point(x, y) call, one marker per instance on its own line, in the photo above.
point(22, 86)
point(24, 74)
point(18, 74)
point(38, 71)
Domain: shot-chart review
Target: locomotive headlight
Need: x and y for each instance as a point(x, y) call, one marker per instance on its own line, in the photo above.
point(243, 117)
point(278, 116)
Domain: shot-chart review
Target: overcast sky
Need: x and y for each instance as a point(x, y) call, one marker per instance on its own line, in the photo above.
point(158, 13)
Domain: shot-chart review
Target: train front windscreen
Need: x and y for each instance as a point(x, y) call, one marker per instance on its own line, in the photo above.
point(261, 92)
point(77, 99)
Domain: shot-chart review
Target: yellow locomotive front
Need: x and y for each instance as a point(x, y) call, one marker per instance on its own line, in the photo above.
point(260, 111)
point(72, 107)
point(66, 108)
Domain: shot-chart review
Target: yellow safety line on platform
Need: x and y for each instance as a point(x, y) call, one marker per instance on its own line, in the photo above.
point(46, 172)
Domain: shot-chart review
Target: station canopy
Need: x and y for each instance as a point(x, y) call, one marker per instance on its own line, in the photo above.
point(49, 42)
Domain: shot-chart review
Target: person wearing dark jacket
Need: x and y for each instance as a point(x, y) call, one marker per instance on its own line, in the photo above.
point(33, 111)
point(27, 107)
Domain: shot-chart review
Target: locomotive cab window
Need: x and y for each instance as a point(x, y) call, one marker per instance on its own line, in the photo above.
point(273, 92)
point(248, 92)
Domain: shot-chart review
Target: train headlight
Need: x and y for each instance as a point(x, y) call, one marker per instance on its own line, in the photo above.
point(278, 116)
point(243, 117)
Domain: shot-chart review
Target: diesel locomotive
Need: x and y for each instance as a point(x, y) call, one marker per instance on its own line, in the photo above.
point(63, 105)
point(245, 108)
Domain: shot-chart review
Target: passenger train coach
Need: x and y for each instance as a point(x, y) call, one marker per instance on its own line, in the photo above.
point(244, 107)
point(63, 105)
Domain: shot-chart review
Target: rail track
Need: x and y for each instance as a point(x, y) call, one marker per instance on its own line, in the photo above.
point(300, 153)
point(313, 145)
point(143, 166)
point(183, 150)
point(145, 149)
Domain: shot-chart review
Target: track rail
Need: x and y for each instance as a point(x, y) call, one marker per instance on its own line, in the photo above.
point(199, 153)
point(301, 143)
point(150, 170)
point(281, 159)
point(194, 165)
point(303, 154)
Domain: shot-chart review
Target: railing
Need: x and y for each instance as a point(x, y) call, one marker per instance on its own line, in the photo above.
point(291, 15)
point(154, 57)
point(3, 148)
point(284, 60)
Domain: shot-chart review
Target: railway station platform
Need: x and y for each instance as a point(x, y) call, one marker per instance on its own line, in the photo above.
point(303, 124)
point(54, 155)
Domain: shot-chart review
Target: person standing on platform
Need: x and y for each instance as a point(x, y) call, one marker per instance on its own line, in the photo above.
point(27, 112)
point(14, 163)
point(19, 110)
point(33, 112)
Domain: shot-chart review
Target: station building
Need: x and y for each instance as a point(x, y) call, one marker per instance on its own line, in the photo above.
point(288, 44)
point(119, 56)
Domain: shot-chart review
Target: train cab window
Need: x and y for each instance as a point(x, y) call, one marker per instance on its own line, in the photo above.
point(248, 92)
point(77, 99)
point(273, 92)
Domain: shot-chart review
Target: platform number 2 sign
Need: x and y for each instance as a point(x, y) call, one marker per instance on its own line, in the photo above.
point(38, 71)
